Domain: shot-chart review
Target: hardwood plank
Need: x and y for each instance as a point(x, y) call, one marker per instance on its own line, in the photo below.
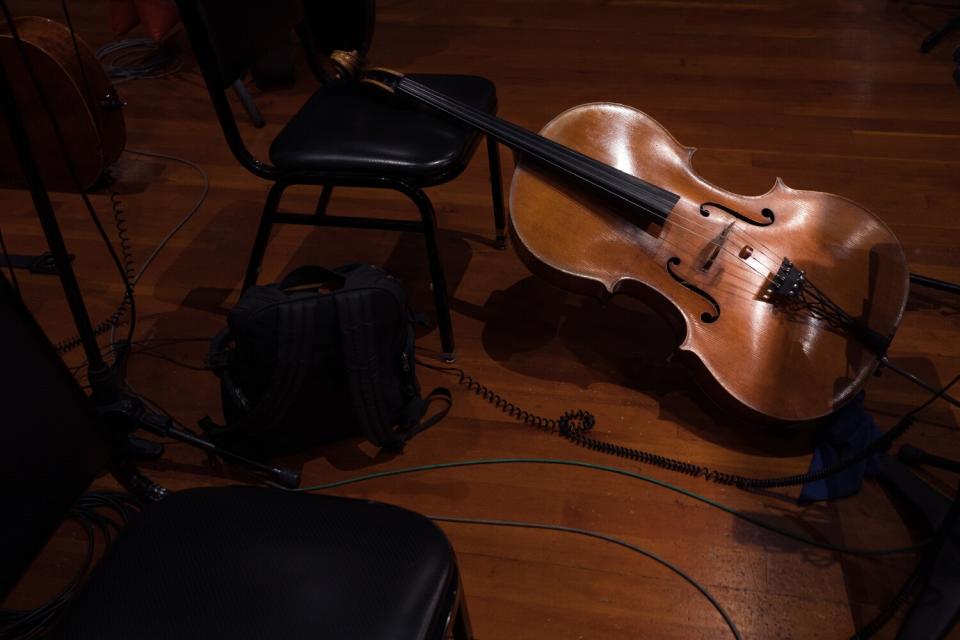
point(828, 95)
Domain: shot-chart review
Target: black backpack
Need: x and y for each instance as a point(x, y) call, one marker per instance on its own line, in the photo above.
point(323, 354)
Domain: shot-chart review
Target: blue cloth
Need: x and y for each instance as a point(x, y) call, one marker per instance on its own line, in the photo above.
point(843, 434)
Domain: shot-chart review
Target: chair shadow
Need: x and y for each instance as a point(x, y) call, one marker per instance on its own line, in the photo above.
point(216, 257)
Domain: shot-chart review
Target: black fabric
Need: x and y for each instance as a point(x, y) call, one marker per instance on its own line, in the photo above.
point(359, 129)
point(246, 562)
point(232, 35)
point(347, 26)
point(51, 443)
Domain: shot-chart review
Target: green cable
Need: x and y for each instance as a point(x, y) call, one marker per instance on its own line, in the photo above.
point(602, 536)
point(636, 476)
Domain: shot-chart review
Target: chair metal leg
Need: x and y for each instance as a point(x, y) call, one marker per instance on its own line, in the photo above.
point(462, 630)
point(324, 200)
point(263, 235)
point(428, 226)
point(437, 276)
point(247, 101)
point(496, 188)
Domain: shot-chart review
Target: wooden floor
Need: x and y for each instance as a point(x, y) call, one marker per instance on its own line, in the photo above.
point(829, 95)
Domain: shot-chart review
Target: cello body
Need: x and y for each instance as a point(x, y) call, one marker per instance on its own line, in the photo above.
point(710, 269)
point(81, 97)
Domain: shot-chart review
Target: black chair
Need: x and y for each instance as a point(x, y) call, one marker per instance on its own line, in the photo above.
point(344, 135)
point(229, 562)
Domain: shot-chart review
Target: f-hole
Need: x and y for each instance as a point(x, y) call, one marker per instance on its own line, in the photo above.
point(765, 212)
point(706, 316)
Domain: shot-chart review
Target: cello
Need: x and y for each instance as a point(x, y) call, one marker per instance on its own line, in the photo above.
point(784, 303)
point(64, 76)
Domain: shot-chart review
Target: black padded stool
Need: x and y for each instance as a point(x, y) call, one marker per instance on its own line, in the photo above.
point(247, 562)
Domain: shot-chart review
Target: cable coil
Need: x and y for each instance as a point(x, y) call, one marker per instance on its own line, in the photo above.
point(127, 264)
point(576, 426)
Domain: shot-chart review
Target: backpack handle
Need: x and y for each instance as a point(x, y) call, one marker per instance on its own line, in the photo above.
point(311, 274)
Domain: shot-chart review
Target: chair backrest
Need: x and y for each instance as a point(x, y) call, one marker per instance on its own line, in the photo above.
point(228, 37)
point(50, 444)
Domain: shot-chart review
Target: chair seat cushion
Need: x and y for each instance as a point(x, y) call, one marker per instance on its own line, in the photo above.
point(359, 129)
point(247, 562)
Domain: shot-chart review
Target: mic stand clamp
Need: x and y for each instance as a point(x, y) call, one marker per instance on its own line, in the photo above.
point(124, 413)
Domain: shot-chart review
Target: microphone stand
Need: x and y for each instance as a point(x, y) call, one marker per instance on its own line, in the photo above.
point(121, 412)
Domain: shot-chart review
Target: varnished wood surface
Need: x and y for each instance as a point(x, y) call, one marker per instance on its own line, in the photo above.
point(747, 346)
point(830, 96)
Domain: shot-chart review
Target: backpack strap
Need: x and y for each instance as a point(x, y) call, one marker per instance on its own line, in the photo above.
point(421, 424)
point(359, 341)
point(311, 274)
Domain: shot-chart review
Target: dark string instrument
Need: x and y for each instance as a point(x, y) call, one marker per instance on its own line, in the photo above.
point(785, 302)
point(76, 89)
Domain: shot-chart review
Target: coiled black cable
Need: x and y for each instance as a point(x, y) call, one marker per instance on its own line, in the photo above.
point(576, 426)
point(127, 264)
point(126, 249)
point(577, 435)
point(541, 422)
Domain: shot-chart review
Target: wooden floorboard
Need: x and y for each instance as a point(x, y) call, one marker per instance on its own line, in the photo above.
point(828, 95)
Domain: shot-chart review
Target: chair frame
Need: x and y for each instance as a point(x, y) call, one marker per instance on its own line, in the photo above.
point(427, 225)
point(456, 623)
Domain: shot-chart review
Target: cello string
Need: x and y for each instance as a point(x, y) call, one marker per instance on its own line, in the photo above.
point(573, 157)
point(613, 176)
point(596, 169)
point(509, 131)
point(768, 261)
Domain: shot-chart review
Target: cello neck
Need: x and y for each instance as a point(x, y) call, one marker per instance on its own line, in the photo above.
point(650, 200)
